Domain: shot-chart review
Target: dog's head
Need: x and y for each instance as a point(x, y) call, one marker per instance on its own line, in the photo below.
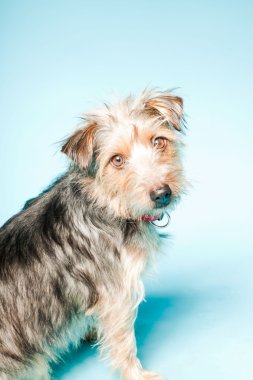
point(131, 150)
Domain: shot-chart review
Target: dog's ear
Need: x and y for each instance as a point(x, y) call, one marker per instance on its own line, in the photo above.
point(79, 146)
point(167, 106)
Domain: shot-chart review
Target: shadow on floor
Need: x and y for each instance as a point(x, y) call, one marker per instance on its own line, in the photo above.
point(172, 309)
point(161, 317)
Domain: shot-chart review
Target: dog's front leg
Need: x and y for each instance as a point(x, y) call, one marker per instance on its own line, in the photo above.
point(117, 338)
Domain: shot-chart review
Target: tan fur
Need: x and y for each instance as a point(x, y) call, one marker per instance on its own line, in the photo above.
point(80, 146)
point(141, 174)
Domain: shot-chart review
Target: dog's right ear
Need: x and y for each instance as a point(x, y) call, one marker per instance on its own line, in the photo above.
point(79, 146)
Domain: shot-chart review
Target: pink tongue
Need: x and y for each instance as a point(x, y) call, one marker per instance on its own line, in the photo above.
point(149, 218)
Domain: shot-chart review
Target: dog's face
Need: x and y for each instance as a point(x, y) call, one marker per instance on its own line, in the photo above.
point(131, 151)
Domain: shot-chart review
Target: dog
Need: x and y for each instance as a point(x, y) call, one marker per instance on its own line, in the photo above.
point(71, 260)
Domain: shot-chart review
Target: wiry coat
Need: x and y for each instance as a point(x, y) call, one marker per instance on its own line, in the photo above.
point(69, 262)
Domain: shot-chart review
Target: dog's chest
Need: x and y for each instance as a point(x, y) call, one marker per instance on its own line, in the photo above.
point(136, 253)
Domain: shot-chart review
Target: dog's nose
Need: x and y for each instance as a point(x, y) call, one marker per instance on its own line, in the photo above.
point(161, 196)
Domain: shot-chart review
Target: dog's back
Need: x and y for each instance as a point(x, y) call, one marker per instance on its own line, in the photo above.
point(39, 258)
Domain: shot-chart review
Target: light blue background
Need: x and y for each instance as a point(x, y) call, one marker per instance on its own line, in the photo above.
point(60, 58)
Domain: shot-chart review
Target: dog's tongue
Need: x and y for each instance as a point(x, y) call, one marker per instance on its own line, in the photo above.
point(149, 218)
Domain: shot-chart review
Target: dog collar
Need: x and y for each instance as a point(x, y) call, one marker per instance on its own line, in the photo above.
point(149, 218)
point(161, 220)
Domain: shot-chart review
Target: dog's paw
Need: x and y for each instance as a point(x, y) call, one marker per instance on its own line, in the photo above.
point(146, 375)
point(138, 373)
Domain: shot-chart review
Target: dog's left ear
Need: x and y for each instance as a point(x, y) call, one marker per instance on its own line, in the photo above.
point(79, 146)
point(168, 106)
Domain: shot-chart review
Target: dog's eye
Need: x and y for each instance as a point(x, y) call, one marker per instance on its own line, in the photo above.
point(160, 143)
point(118, 161)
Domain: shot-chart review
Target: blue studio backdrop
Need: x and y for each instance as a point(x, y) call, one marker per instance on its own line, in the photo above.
point(60, 58)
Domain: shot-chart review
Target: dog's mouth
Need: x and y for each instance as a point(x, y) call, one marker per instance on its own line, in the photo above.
point(153, 213)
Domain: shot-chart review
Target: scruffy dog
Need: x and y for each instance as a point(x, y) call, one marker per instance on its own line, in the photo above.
point(71, 260)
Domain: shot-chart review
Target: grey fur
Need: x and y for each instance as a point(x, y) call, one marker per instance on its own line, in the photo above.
point(53, 256)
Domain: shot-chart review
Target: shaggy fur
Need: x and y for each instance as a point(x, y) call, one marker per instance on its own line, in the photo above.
point(71, 260)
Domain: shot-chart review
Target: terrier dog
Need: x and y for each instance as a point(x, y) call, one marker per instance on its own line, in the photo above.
point(71, 261)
